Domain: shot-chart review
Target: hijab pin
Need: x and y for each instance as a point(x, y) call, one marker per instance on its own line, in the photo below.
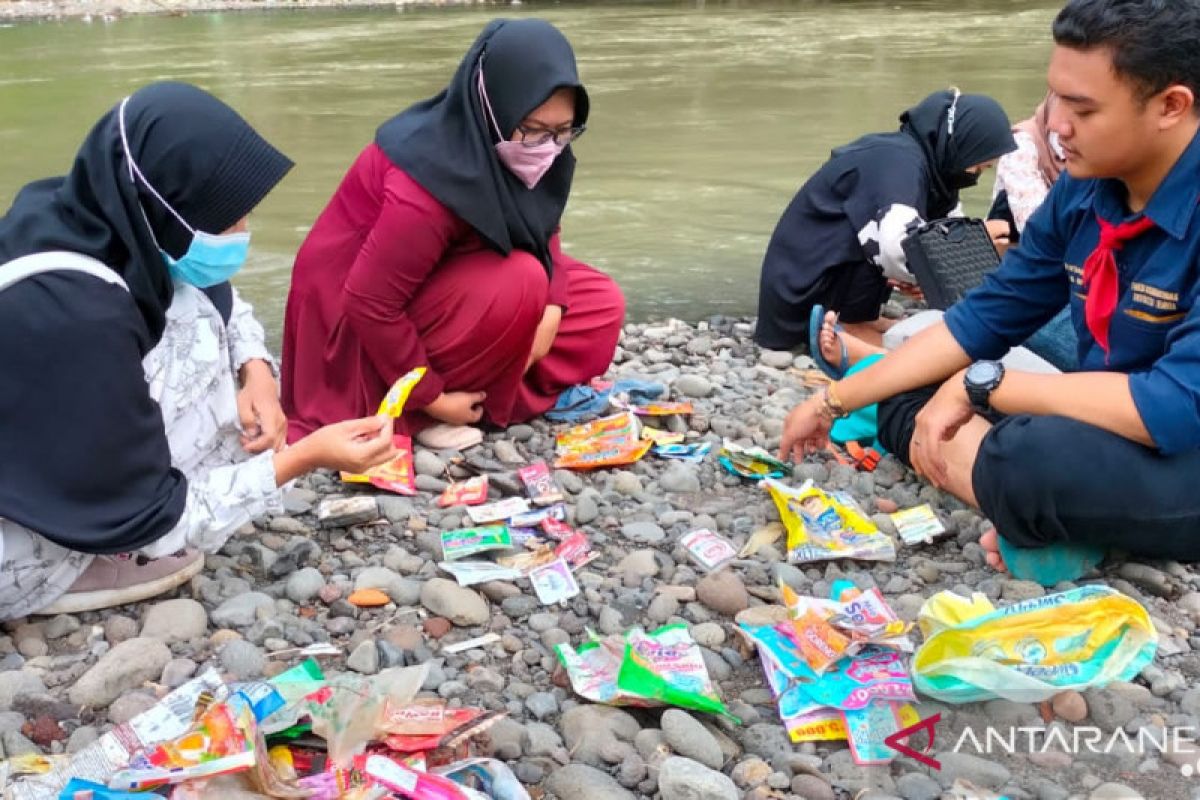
point(953, 110)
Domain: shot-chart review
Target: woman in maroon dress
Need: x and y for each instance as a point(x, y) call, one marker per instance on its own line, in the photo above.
point(440, 249)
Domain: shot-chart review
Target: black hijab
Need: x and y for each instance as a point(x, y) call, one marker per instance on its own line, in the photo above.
point(446, 143)
point(979, 132)
point(197, 152)
point(84, 458)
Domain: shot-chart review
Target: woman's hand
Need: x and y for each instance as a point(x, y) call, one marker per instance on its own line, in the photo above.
point(457, 408)
point(355, 445)
point(264, 425)
point(543, 340)
point(806, 430)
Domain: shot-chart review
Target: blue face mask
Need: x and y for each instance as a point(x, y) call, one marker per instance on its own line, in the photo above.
point(211, 258)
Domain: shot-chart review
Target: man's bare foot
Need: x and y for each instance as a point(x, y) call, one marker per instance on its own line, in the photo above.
point(990, 542)
point(831, 341)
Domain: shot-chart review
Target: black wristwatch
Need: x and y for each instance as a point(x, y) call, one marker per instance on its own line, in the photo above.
point(981, 380)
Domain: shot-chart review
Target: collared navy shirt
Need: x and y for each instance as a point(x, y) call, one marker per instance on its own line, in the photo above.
point(1154, 336)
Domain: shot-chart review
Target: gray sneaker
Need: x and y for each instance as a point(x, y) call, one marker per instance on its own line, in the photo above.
point(120, 579)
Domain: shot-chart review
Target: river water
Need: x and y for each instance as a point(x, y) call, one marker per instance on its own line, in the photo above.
point(705, 117)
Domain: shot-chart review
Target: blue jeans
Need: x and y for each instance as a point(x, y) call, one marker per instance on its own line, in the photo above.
point(1057, 342)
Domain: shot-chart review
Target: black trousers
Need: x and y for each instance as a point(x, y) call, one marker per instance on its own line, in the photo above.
point(1042, 480)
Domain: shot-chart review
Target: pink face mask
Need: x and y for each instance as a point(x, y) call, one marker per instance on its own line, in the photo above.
point(528, 163)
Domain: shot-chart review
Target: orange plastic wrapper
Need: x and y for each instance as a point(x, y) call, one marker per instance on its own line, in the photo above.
point(610, 457)
point(424, 717)
point(607, 442)
point(470, 492)
point(663, 409)
point(396, 475)
point(219, 742)
point(820, 643)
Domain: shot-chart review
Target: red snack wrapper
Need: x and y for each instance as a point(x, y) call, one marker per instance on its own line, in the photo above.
point(556, 529)
point(540, 485)
point(575, 549)
point(396, 475)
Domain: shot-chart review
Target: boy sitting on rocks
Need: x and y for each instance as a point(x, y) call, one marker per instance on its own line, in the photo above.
point(1107, 456)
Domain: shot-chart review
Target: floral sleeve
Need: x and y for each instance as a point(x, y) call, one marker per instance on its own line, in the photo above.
point(1017, 174)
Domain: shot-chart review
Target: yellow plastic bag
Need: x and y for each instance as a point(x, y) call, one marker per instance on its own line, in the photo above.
point(1030, 651)
point(827, 525)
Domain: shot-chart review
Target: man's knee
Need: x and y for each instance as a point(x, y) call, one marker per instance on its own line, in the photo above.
point(1023, 468)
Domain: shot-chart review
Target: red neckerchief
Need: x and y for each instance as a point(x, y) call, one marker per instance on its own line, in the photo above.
point(1100, 274)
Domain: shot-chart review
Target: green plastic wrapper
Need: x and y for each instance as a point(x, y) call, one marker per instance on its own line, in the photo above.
point(664, 667)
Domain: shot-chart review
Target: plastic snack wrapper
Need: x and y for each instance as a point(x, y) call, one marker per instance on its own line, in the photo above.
point(98, 762)
point(500, 510)
point(470, 541)
point(347, 712)
point(827, 525)
point(554, 582)
point(606, 442)
point(820, 643)
point(576, 550)
point(221, 741)
point(918, 525)
point(469, 573)
point(691, 453)
point(751, 462)
point(710, 551)
point(1028, 652)
point(661, 437)
point(394, 401)
point(409, 783)
point(556, 529)
point(395, 476)
point(78, 789)
point(536, 517)
point(662, 409)
point(488, 775)
point(470, 492)
point(526, 562)
point(864, 617)
point(664, 667)
point(540, 485)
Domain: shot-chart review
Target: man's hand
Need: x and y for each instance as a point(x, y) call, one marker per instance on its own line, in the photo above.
point(543, 340)
point(936, 424)
point(264, 425)
point(806, 430)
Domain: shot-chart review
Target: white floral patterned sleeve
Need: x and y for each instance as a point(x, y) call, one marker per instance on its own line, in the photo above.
point(1018, 175)
point(192, 374)
point(247, 339)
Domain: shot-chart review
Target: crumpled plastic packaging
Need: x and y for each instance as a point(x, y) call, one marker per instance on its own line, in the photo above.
point(1030, 651)
point(663, 667)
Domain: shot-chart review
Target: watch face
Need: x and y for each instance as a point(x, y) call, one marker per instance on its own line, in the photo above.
point(982, 373)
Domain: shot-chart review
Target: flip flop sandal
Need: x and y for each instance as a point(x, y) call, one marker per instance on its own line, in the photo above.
point(816, 319)
point(1052, 564)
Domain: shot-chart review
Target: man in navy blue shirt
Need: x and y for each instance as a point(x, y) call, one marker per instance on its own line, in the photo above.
point(1109, 455)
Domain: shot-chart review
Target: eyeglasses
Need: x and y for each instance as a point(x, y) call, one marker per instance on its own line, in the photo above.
point(532, 137)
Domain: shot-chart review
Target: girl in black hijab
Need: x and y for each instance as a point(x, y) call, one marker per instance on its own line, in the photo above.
point(440, 249)
point(839, 241)
point(123, 428)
